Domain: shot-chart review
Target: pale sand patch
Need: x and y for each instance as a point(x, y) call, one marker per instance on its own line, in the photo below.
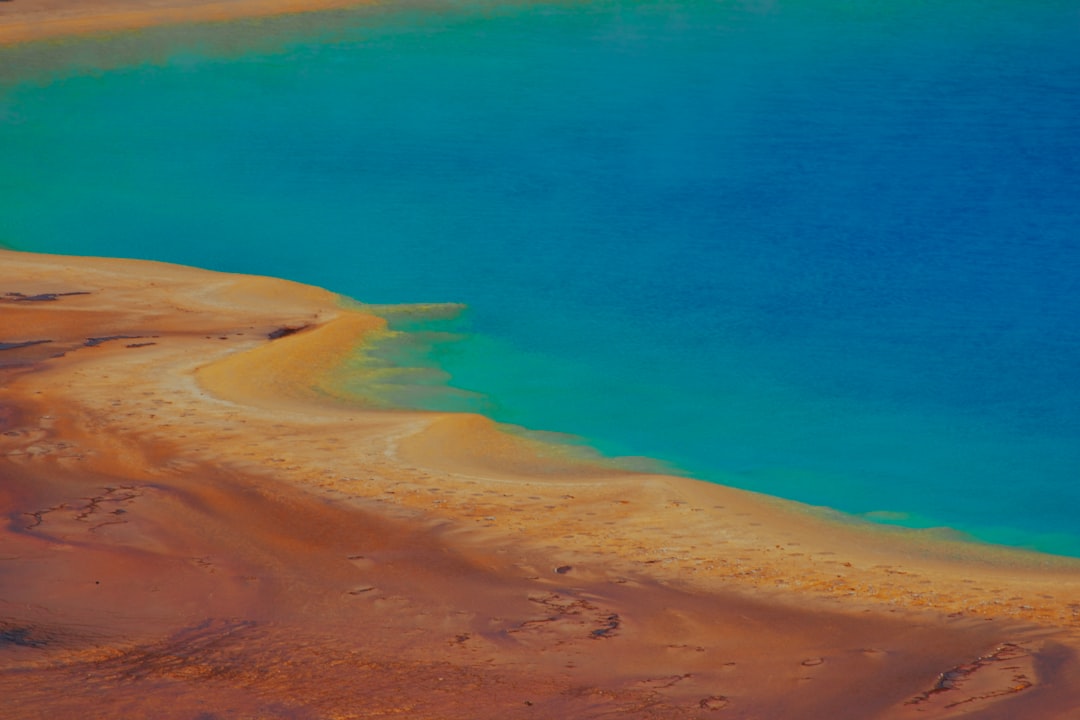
point(193, 521)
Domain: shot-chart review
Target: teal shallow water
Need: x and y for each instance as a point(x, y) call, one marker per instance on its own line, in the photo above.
point(820, 249)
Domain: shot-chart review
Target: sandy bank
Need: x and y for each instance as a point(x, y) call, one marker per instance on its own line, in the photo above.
point(192, 526)
point(26, 20)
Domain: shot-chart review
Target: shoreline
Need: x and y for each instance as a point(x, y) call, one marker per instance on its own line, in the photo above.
point(181, 483)
point(240, 9)
point(24, 21)
point(195, 526)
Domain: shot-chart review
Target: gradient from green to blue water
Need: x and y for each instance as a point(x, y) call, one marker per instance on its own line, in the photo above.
point(823, 249)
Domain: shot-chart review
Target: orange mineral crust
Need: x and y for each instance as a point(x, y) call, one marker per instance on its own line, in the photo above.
point(197, 526)
point(26, 20)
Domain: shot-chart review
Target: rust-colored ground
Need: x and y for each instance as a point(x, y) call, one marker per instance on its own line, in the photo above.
point(193, 529)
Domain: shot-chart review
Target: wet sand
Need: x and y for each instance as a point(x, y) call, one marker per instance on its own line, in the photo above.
point(196, 528)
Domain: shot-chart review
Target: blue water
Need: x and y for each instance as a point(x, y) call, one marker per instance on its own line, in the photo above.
point(822, 249)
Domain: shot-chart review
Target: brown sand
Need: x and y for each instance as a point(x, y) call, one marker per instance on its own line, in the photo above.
point(194, 530)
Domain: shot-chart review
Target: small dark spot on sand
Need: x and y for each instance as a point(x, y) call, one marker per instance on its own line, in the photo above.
point(286, 331)
point(20, 636)
point(563, 569)
point(713, 702)
point(811, 662)
point(139, 345)
point(41, 297)
point(95, 341)
point(613, 622)
point(17, 345)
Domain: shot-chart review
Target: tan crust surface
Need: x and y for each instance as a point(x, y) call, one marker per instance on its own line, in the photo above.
point(193, 529)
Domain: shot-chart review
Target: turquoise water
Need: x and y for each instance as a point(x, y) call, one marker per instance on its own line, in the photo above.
point(822, 249)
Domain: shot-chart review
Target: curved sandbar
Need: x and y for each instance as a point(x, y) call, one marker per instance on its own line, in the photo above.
point(196, 526)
